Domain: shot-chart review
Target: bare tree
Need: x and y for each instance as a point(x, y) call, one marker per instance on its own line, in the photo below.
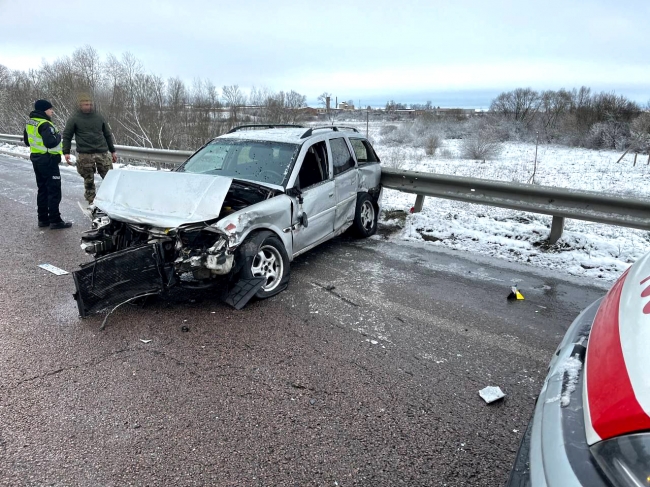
point(235, 99)
point(521, 105)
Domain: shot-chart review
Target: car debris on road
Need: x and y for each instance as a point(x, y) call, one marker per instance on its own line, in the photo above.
point(491, 394)
point(53, 269)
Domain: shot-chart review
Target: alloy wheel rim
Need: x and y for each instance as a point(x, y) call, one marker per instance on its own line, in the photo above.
point(269, 265)
point(367, 215)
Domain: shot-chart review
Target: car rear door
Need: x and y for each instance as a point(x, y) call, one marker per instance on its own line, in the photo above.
point(346, 181)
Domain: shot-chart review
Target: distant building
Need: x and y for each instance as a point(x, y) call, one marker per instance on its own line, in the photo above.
point(345, 106)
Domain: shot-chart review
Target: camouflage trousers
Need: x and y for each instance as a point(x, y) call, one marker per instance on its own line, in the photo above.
point(87, 165)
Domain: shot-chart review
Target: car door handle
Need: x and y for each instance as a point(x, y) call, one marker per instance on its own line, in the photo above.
point(331, 194)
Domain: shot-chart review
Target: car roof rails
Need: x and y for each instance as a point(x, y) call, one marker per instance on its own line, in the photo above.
point(334, 128)
point(264, 126)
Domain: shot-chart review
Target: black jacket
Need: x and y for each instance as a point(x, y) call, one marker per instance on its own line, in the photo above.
point(50, 137)
point(91, 132)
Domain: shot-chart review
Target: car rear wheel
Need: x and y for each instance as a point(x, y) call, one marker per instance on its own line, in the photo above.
point(263, 255)
point(365, 216)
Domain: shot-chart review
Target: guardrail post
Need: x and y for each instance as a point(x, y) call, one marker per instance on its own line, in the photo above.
point(419, 203)
point(557, 226)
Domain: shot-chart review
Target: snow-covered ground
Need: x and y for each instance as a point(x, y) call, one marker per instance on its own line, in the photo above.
point(593, 250)
point(587, 249)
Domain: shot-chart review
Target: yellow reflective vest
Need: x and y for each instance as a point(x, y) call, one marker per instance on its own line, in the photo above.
point(36, 145)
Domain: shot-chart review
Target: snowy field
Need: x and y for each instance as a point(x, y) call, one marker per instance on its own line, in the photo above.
point(596, 251)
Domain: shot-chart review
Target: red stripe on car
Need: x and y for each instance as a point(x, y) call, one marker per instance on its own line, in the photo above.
point(613, 406)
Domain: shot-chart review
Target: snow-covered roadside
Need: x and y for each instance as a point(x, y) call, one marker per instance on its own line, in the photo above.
point(586, 249)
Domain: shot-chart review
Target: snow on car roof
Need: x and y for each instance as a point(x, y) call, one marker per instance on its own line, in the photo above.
point(287, 135)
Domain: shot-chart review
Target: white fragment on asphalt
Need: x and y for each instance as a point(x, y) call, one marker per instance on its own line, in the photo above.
point(53, 269)
point(515, 431)
point(374, 342)
point(145, 341)
point(491, 394)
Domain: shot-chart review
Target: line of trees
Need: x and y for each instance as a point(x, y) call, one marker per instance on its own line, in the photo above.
point(576, 117)
point(143, 108)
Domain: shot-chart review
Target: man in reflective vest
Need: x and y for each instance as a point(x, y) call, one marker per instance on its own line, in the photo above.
point(44, 142)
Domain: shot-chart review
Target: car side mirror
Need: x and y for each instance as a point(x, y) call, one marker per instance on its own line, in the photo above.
point(304, 221)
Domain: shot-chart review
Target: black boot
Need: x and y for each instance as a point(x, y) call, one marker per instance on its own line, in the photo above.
point(59, 225)
point(43, 223)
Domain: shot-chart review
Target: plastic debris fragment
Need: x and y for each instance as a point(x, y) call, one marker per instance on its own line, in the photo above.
point(491, 394)
point(515, 294)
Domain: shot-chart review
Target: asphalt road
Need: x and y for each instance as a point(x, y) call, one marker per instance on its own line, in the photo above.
point(366, 371)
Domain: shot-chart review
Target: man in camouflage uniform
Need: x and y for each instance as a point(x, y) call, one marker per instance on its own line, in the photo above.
point(94, 143)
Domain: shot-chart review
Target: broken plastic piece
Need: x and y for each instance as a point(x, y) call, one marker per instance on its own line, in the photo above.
point(515, 294)
point(86, 211)
point(491, 394)
point(53, 269)
point(145, 341)
point(243, 291)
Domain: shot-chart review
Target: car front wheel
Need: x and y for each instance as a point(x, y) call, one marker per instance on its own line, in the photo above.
point(263, 255)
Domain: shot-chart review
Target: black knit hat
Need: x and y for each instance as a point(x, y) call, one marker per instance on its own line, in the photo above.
point(42, 105)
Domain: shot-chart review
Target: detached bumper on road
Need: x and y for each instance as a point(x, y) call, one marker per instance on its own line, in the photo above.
point(115, 278)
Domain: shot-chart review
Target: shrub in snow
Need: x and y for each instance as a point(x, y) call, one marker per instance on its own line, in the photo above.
point(640, 129)
point(480, 146)
point(394, 157)
point(401, 136)
point(387, 129)
point(431, 143)
point(608, 135)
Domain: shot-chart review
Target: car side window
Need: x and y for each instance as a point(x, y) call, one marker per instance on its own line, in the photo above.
point(341, 157)
point(315, 166)
point(363, 151)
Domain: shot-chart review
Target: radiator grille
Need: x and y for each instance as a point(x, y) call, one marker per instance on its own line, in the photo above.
point(117, 277)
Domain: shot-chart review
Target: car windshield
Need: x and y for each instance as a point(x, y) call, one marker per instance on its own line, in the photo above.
point(262, 161)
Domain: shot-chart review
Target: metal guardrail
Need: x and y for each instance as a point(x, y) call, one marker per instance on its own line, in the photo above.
point(128, 152)
point(558, 202)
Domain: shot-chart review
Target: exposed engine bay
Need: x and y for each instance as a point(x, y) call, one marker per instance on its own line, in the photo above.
point(137, 259)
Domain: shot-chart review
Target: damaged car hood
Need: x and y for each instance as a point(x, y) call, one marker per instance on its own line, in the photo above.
point(160, 198)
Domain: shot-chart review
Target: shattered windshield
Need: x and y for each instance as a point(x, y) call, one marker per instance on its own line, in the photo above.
point(262, 161)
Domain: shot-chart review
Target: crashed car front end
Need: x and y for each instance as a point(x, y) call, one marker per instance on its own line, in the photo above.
point(145, 240)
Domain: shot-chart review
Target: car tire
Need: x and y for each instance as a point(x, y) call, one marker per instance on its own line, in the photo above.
point(262, 254)
point(365, 216)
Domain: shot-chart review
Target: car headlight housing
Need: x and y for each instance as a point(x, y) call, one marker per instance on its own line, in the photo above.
point(625, 459)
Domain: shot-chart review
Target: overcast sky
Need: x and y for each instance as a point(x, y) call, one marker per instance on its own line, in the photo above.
point(367, 50)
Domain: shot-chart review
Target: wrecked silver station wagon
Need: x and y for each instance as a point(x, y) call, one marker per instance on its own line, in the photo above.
point(237, 211)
